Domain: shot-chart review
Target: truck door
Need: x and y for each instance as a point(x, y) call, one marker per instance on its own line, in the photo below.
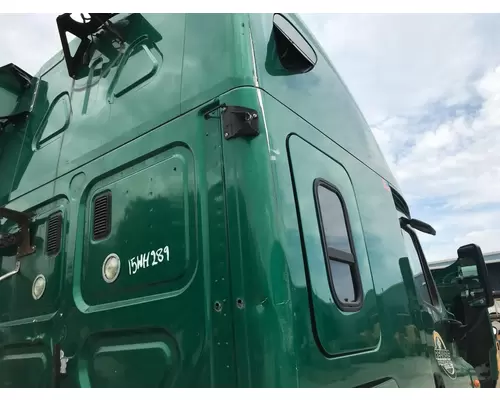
point(450, 370)
point(30, 295)
point(147, 298)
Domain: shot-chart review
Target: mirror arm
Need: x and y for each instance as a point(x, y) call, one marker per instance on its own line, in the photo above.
point(458, 330)
point(418, 225)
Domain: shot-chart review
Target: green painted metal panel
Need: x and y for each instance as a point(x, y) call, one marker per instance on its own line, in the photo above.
point(222, 279)
point(162, 312)
point(16, 301)
point(339, 331)
point(29, 327)
point(153, 216)
point(333, 110)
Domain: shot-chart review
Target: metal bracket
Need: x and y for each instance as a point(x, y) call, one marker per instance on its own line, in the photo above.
point(12, 119)
point(63, 363)
point(13, 73)
point(82, 30)
point(11, 273)
point(236, 121)
point(22, 76)
point(23, 237)
point(239, 122)
point(60, 365)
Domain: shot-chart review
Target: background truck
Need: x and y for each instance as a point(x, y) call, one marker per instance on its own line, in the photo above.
point(491, 317)
point(196, 200)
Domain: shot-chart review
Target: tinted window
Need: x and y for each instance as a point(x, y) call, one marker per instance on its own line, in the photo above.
point(333, 218)
point(342, 268)
point(416, 267)
point(343, 281)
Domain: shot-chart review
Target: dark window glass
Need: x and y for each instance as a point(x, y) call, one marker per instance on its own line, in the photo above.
point(416, 267)
point(333, 220)
point(342, 268)
point(343, 282)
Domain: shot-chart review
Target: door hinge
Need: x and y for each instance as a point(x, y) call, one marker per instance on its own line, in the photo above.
point(237, 121)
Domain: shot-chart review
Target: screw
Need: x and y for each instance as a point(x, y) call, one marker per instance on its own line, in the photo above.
point(217, 306)
point(226, 134)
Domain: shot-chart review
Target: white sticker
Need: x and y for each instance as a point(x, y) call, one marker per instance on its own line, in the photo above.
point(145, 260)
point(443, 356)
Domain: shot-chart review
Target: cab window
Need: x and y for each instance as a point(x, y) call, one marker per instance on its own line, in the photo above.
point(416, 267)
point(424, 283)
point(338, 246)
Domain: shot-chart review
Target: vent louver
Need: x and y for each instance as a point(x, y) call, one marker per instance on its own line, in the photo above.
point(54, 228)
point(101, 224)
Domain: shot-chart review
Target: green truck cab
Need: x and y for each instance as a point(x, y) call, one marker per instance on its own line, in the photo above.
point(196, 200)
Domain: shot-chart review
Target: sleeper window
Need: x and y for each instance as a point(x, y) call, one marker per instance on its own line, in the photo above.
point(337, 243)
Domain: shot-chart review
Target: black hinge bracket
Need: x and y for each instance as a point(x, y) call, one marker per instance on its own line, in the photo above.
point(82, 30)
point(236, 121)
point(239, 122)
point(22, 238)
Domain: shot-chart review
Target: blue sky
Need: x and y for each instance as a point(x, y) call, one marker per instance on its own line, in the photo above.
point(429, 86)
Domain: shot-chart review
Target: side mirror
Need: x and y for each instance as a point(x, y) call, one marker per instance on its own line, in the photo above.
point(14, 102)
point(13, 83)
point(474, 277)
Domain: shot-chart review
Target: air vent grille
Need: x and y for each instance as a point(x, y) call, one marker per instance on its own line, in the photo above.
point(53, 239)
point(101, 225)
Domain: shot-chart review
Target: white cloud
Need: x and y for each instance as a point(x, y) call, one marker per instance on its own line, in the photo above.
point(459, 159)
point(28, 40)
point(397, 63)
point(429, 86)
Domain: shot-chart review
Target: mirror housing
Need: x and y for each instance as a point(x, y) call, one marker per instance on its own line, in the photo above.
point(14, 94)
point(474, 277)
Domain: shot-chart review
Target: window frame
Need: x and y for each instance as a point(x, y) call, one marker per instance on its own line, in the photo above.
point(429, 280)
point(330, 253)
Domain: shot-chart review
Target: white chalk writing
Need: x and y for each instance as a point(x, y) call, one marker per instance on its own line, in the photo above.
point(150, 258)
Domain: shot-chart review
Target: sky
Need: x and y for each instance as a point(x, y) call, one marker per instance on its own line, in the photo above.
point(429, 87)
